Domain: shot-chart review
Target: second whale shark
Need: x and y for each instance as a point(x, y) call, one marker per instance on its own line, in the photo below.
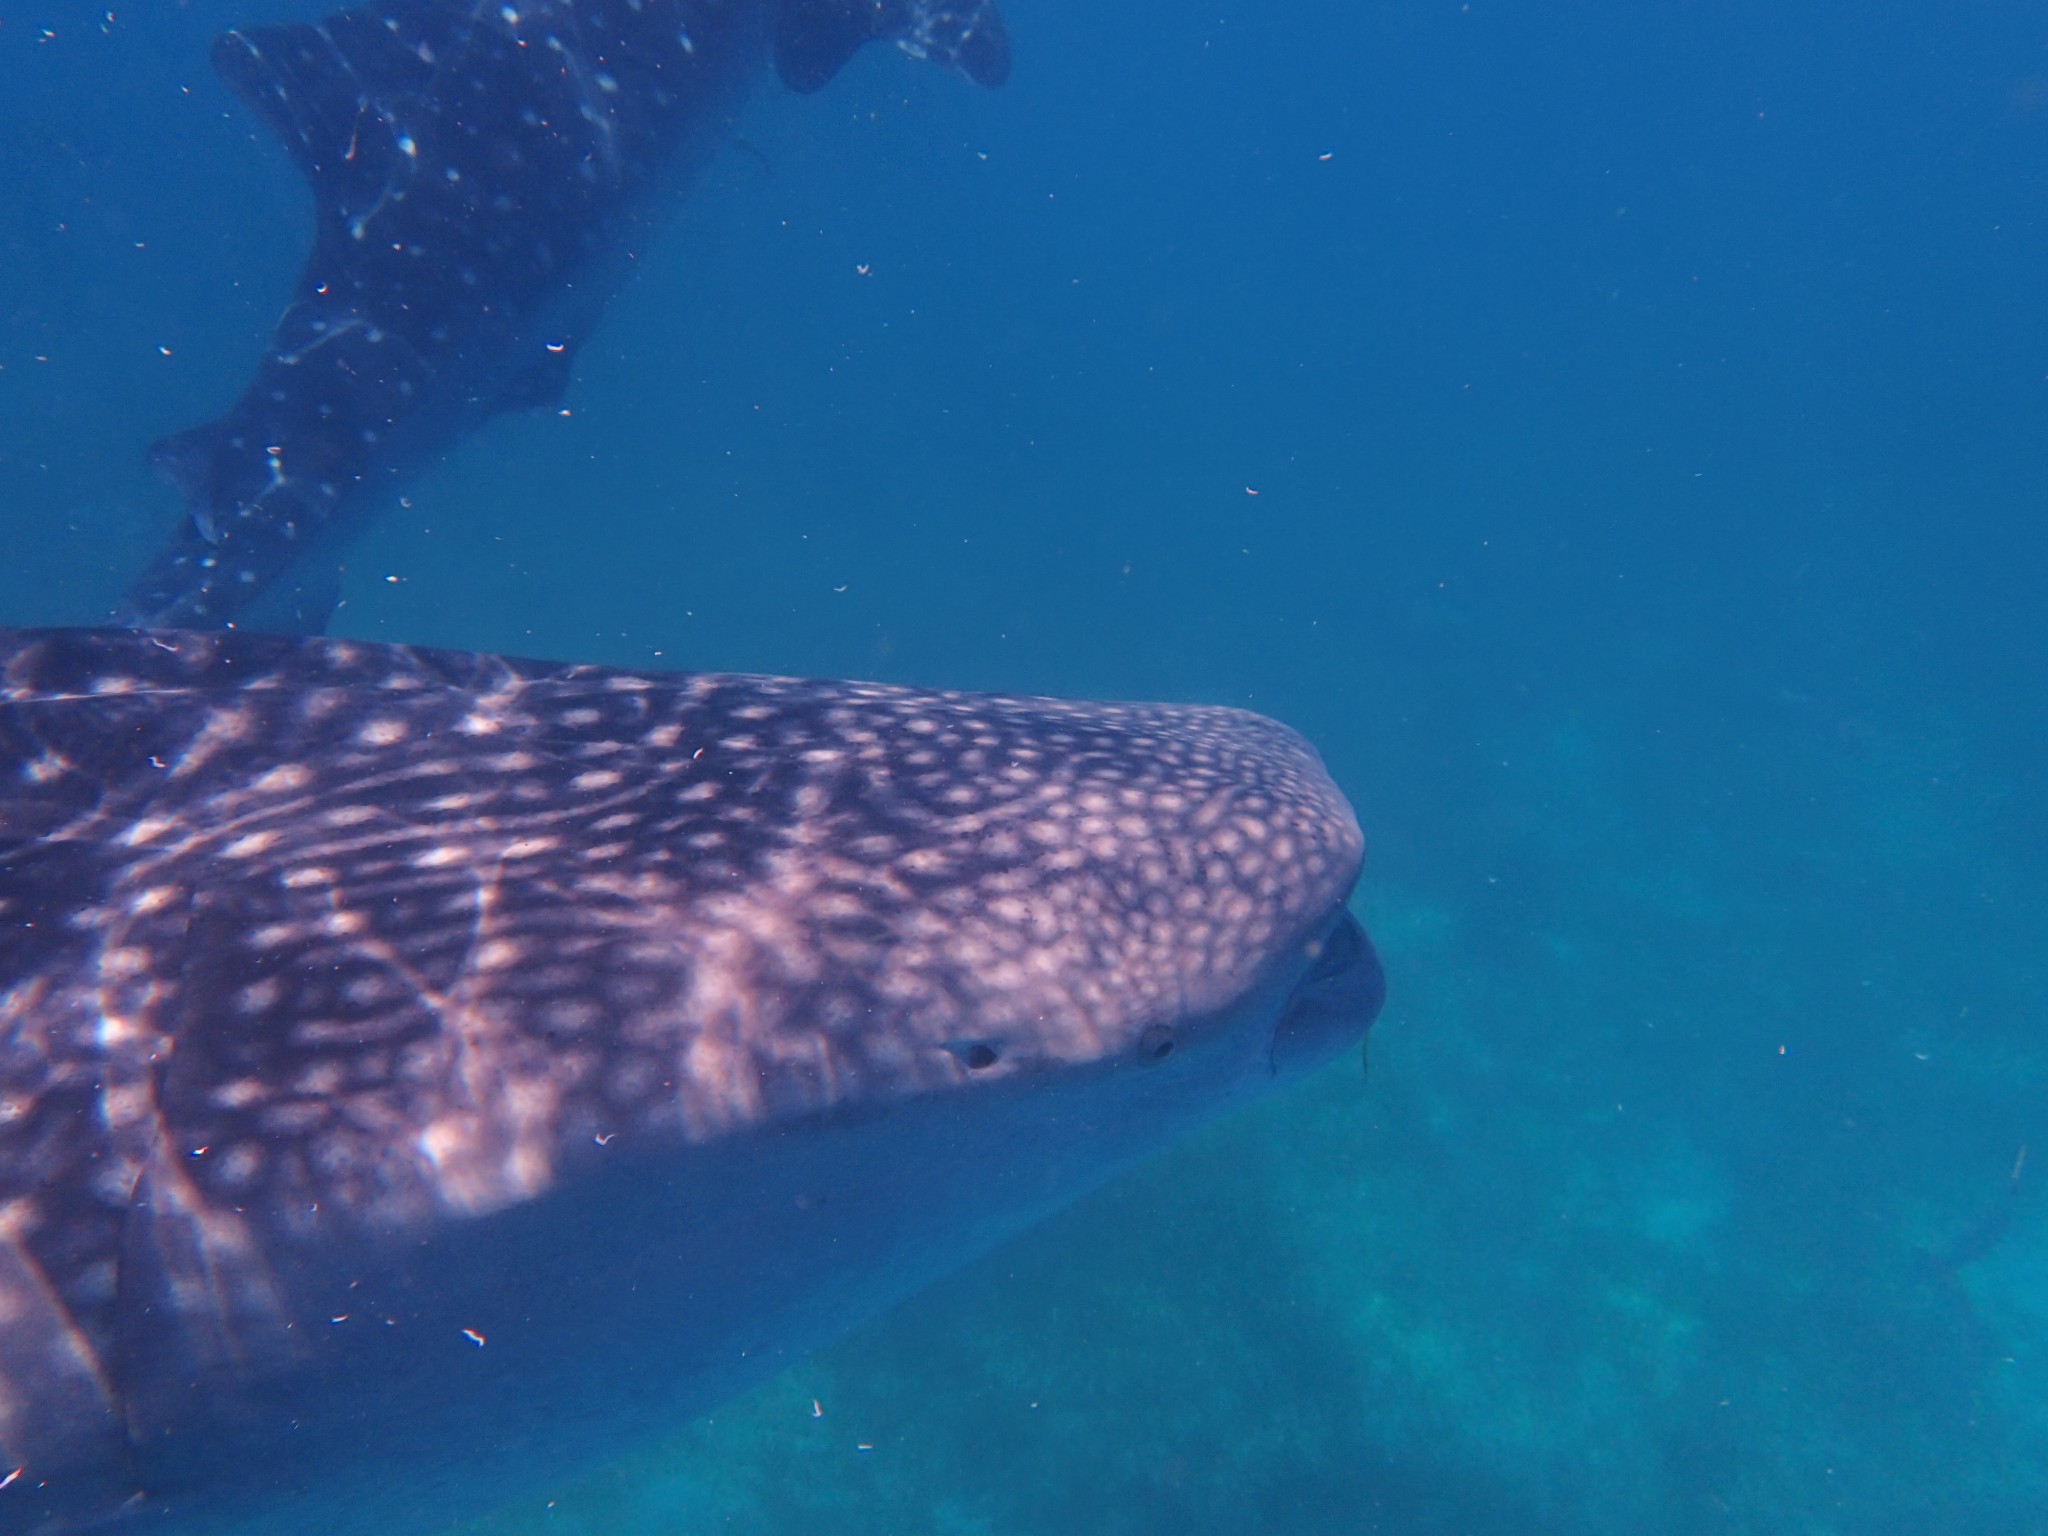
point(479, 171)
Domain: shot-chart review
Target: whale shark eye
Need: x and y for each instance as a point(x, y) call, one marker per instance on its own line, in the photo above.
point(1156, 1043)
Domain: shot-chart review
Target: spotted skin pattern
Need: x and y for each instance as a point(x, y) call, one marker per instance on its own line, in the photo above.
point(482, 173)
point(309, 948)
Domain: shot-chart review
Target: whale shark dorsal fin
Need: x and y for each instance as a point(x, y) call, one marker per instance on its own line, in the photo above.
point(815, 38)
point(307, 81)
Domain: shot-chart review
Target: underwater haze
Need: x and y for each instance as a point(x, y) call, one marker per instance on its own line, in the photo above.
point(1615, 433)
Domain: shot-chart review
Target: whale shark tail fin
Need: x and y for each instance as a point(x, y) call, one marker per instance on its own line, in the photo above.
point(815, 38)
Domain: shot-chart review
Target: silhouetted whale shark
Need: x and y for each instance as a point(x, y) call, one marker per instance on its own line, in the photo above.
point(479, 169)
point(423, 1072)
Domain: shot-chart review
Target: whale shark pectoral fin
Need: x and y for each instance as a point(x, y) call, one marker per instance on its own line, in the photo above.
point(194, 1283)
point(60, 1410)
point(815, 38)
point(307, 82)
point(187, 460)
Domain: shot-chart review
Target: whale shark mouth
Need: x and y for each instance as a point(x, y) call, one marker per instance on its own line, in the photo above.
point(1339, 997)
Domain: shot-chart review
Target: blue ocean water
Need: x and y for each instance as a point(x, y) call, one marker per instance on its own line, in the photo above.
point(1614, 433)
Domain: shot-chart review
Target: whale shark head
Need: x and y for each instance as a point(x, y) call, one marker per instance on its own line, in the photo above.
point(360, 1005)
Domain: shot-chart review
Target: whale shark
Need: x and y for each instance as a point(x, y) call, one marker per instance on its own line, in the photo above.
point(424, 1073)
point(481, 173)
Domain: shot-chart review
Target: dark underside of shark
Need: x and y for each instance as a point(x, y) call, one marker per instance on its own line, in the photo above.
point(423, 1075)
point(479, 168)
